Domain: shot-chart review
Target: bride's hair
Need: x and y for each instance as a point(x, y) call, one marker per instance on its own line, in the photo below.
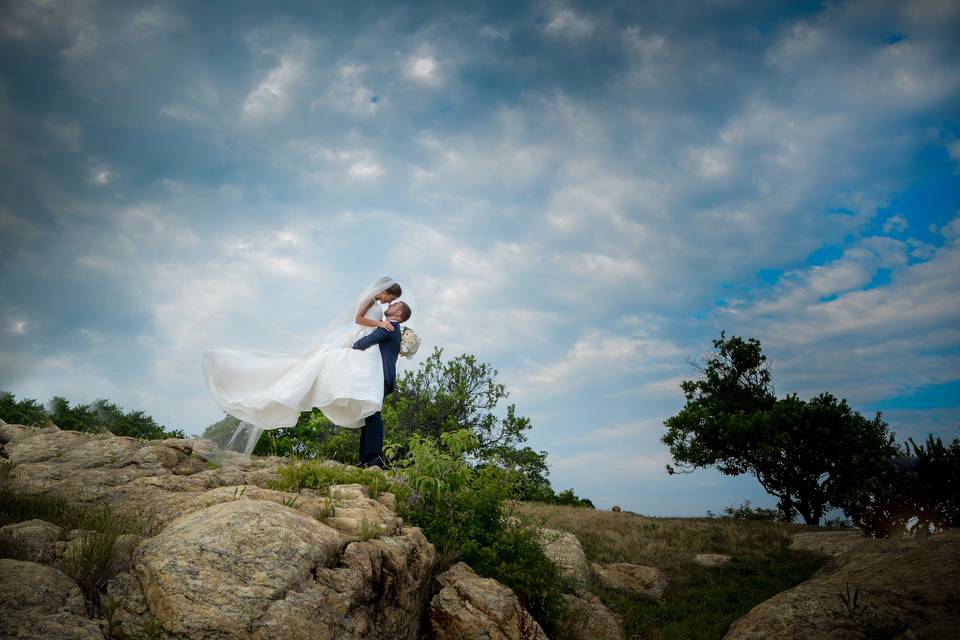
point(405, 312)
point(394, 289)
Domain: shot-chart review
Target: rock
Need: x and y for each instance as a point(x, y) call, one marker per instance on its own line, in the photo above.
point(589, 619)
point(42, 603)
point(218, 570)
point(33, 540)
point(564, 549)
point(831, 543)
point(637, 578)
point(905, 588)
point(470, 607)
point(616, 508)
point(228, 557)
point(712, 559)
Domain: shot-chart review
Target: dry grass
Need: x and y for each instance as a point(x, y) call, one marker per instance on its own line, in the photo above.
point(608, 536)
point(700, 602)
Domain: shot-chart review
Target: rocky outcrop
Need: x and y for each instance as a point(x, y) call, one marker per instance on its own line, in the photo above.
point(589, 619)
point(564, 550)
point(637, 578)
point(42, 603)
point(227, 557)
point(907, 588)
point(469, 607)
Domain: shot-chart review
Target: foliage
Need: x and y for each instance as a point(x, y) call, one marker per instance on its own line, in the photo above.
point(917, 492)
point(460, 393)
point(747, 511)
point(27, 411)
point(103, 548)
point(92, 417)
point(317, 475)
point(461, 510)
point(806, 453)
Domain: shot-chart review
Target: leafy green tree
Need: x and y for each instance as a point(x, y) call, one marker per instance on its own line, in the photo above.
point(917, 492)
point(101, 414)
point(461, 393)
point(806, 453)
point(27, 411)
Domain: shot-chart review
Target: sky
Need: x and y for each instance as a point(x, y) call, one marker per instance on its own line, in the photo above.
point(582, 194)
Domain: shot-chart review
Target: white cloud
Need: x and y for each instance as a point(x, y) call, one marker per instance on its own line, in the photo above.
point(424, 69)
point(895, 223)
point(273, 94)
point(569, 24)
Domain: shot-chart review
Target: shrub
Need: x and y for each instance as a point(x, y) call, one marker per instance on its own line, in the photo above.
point(747, 511)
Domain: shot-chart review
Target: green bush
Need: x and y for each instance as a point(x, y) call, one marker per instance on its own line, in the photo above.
point(461, 510)
point(93, 417)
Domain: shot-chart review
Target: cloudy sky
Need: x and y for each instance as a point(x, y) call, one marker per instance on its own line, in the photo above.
point(581, 194)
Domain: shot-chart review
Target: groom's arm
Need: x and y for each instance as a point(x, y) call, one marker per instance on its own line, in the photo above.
point(375, 337)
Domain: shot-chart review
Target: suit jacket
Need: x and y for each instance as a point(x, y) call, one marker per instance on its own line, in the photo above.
point(389, 342)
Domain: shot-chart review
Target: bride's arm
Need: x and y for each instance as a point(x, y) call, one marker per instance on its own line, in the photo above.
point(364, 321)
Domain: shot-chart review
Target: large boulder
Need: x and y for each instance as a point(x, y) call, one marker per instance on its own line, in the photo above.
point(41, 603)
point(33, 540)
point(469, 607)
point(564, 550)
point(636, 578)
point(589, 619)
point(907, 588)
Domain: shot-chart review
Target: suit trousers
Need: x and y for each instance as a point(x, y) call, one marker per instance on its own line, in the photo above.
point(371, 436)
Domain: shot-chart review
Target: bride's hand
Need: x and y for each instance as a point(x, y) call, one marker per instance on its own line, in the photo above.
point(386, 324)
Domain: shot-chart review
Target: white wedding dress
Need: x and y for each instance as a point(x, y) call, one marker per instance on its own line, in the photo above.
point(270, 390)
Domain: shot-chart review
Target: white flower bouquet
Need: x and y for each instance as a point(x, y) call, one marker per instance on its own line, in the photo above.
point(409, 342)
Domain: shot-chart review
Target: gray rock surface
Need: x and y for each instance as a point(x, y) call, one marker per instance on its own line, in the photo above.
point(908, 588)
point(33, 540)
point(712, 559)
point(229, 557)
point(42, 603)
point(638, 578)
point(589, 619)
point(469, 607)
point(564, 549)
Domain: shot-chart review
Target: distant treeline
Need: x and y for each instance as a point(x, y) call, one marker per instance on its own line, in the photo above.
point(93, 417)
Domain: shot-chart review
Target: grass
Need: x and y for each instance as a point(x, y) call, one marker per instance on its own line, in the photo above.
point(105, 545)
point(700, 603)
point(314, 474)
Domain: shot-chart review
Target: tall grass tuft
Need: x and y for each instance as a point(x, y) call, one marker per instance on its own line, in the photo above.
point(103, 548)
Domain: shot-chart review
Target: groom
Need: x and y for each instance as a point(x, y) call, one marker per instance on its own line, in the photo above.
point(371, 434)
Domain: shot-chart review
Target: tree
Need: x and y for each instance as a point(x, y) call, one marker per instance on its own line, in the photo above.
point(443, 396)
point(917, 492)
point(806, 453)
point(101, 414)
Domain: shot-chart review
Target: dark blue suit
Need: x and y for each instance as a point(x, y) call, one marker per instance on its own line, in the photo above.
point(371, 434)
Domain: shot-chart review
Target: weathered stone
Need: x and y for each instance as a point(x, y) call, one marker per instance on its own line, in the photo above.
point(636, 578)
point(40, 602)
point(229, 558)
point(216, 571)
point(564, 550)
point(469, 607)
point(589, 619)
point(905, 588)
point(33, 540)
point(712, 559)
point(831, 543)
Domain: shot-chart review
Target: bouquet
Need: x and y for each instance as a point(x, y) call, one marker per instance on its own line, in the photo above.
point(409, 342)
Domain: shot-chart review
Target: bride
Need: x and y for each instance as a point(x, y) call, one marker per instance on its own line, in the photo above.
point(270, 390)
